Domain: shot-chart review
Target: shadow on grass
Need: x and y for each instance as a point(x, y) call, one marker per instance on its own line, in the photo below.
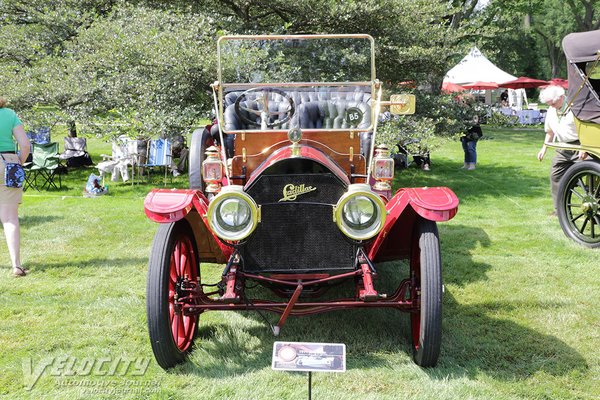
point(457, 242)
point(474, 341)
point(96, 263)
point(29, 221)
point(73, 183)
point(63, 188)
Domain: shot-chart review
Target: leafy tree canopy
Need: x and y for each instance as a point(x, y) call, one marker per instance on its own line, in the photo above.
point(145, 69)
point(145, 66)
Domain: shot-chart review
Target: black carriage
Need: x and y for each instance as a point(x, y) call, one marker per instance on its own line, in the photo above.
point(578, 205)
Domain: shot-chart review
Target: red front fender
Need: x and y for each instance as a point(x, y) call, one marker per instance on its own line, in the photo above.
point(171, 205)
point(435, 204)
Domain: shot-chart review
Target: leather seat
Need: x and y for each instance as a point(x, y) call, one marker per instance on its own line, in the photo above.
point(322, 109)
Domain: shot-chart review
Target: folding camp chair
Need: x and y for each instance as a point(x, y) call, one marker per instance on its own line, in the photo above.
point(137, 152)
point(119, 162)
point(46, 165)
point(75, 153)
point(40, 135)
point(158, 155)
point(408, 148)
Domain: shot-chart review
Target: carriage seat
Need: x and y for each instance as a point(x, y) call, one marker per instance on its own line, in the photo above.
point(314, 109)
point(331, 114)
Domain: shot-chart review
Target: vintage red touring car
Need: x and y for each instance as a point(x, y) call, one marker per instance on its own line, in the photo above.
point(288, 190)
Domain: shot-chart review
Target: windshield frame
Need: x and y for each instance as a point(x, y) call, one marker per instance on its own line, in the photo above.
point(223, 87)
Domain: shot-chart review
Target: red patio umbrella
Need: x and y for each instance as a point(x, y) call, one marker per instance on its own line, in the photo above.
point(560, 82)
point(481, 85)
point(449, 87)
point(523, 82)
point(408, 84)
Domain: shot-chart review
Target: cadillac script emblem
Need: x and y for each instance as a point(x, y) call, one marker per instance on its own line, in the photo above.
point(291, 191)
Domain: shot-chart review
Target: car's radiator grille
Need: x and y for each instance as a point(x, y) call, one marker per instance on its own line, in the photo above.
point(297, 235)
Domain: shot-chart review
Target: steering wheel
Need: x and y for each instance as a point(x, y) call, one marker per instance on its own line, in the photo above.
point(263, 107)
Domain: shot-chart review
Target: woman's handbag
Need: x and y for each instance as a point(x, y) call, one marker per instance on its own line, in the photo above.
point(14, 174)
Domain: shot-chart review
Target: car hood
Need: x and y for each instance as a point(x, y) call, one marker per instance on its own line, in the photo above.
point(305, 152)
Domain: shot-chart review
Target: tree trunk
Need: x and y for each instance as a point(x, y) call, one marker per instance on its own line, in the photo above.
point(72, 129)
point(554, 52)
point(585, 22)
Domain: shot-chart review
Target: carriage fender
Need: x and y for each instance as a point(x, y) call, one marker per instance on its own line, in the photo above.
point(435, 204)
point(171, 205)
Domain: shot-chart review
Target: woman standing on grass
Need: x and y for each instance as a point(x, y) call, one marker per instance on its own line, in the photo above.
point(11, 129)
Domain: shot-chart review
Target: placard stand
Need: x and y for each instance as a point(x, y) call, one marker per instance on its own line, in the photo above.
point(309, 385)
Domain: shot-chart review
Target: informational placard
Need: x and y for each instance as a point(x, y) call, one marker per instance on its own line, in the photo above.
point(307, 356)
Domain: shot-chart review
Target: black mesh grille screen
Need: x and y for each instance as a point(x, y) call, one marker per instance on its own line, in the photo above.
point(300, 235)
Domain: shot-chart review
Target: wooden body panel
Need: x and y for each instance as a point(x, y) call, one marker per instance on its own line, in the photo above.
point(252, 149)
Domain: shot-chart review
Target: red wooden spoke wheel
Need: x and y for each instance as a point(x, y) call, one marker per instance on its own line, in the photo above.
point(174, 258)
point(426, 277)
point(183, 264)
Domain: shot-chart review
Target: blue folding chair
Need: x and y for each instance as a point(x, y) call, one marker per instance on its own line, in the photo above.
point(40, 135)
point(159, 155)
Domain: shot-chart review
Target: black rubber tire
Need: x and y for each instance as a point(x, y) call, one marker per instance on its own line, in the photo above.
point(201, 140)
point(580, 186)
point(166, 352)
point(426, 268)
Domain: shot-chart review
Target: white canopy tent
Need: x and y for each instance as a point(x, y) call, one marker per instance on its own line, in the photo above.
point(475, 67)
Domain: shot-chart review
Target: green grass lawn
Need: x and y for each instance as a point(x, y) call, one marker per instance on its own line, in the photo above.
point(521, 301)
